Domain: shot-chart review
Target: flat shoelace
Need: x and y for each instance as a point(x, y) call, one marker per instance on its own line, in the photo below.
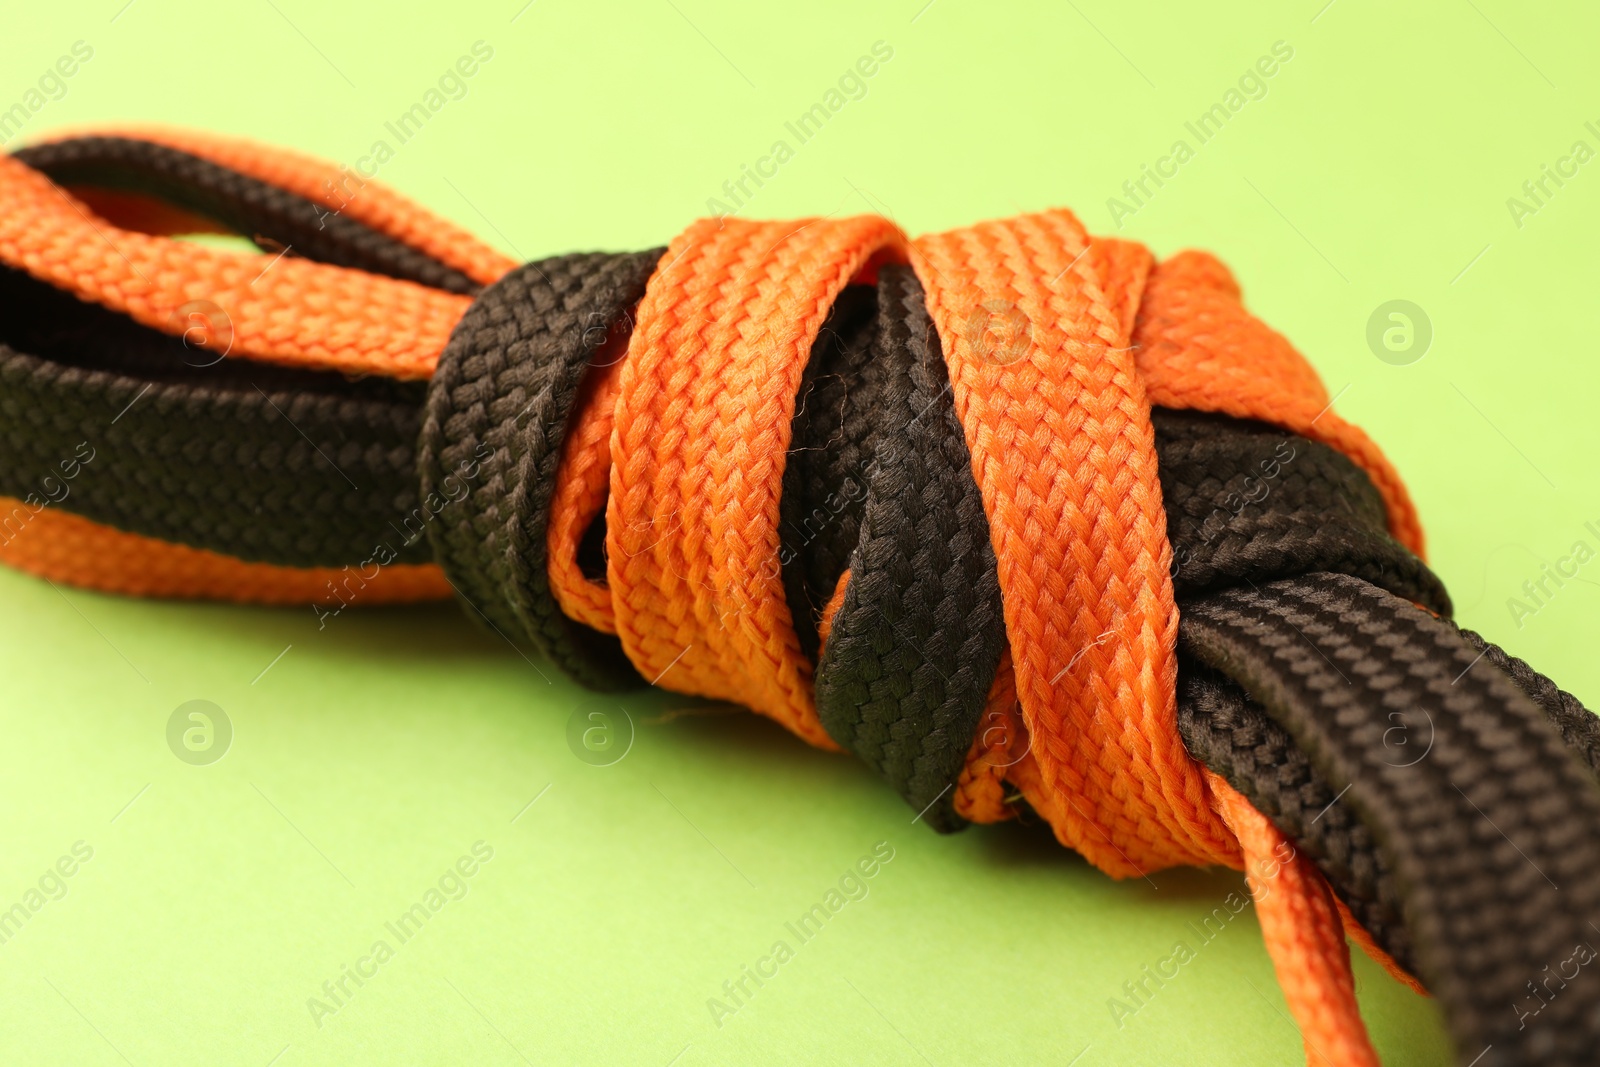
point(884, 565)
point(1494, 810)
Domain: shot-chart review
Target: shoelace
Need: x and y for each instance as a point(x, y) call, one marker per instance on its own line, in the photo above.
point(1001, 511)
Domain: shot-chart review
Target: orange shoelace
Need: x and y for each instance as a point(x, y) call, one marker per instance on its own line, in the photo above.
point(1057, 345)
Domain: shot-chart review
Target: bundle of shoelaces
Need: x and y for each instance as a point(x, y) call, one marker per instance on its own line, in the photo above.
point(1025, 519)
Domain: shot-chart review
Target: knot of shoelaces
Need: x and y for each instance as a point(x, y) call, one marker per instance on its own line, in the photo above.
point(872, 523)
point(935, 501)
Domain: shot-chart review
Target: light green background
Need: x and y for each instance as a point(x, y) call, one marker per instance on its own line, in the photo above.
point(374, 753)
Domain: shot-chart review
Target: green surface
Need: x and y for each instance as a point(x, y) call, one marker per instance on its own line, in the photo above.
point(1375, 165)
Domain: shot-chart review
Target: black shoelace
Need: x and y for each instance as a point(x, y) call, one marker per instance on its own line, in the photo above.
point(1446, 789)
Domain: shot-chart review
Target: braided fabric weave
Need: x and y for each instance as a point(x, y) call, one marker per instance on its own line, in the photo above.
point(1523, 814)
point(336, 191)
point(294, 311)
point(914, 644)
point(702, 427)
point(1020, 517)
point(269, 464)
point(498, 407)
point(1064, 453)
point(236, 203)
point(834, 443)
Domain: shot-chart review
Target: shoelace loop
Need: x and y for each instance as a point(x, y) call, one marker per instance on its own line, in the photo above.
point(934, 502)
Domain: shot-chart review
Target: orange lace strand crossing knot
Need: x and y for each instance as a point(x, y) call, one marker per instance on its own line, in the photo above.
point(701, 431)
